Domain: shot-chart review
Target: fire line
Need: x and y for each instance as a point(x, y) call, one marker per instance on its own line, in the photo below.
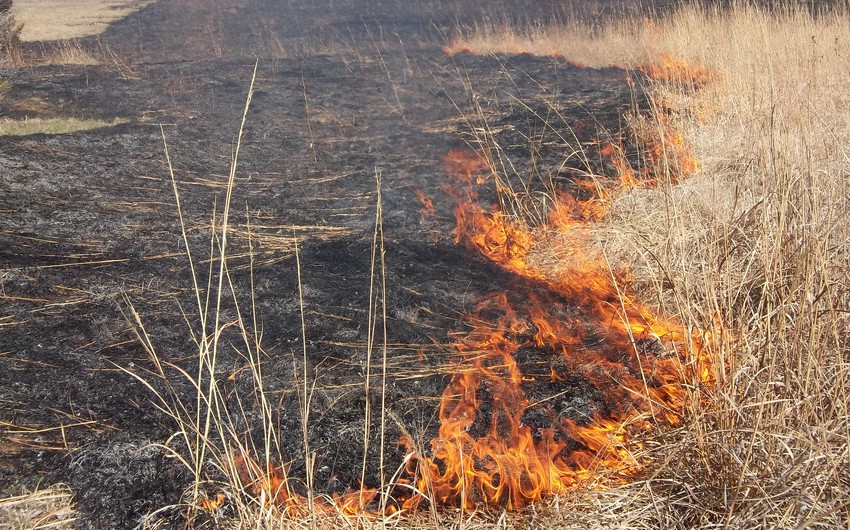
point(519, 452)
point(509, 434)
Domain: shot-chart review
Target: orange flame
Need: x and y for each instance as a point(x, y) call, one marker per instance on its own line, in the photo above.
point(271, 484)
point(510, 463)
point(626, 174)
point(636, 361)
point(428, 210)
point(665, 153)
point(500, 441)
point(676, 70)
point(670, 153)
point(212, 504)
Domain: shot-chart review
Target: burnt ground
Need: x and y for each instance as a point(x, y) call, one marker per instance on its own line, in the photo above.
point(344, 90)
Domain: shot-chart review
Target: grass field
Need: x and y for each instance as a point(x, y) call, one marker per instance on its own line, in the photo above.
point(729, 214)
point(46, 20)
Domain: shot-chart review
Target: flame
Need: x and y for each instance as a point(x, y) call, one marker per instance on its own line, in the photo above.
point(665, 153)
point(512, 463)
point(428, 210)
point(455, 47)
point(508, 435)
point(625, 173)
point(505, 243)
point(212, 504)
point(428, 221)
point(486, 451)
point(669, 153)
point(271, 485)
point(675, 70)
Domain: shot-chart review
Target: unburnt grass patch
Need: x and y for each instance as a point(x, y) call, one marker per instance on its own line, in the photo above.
point(64, 20)
point(48, 508)
point(28, 127)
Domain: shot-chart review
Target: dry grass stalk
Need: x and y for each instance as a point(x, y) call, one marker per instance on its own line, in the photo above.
point(49, 508)
point(68, 52)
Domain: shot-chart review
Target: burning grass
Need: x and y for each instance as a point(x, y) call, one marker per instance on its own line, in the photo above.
point(753, 237)
point(731, 221)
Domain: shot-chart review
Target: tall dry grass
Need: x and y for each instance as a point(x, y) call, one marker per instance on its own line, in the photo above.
point(229, 440)
point(10, 33)
point(758, 240)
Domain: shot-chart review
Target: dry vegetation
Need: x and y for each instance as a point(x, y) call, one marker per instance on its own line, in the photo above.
point(40, 510)
point(53, 20)
point(53, 125)
point(756, 239)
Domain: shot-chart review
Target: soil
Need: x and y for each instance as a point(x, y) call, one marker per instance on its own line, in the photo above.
point(344, 91)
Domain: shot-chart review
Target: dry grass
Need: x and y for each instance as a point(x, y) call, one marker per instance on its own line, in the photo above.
point(54, 125)
point(53, 20)
point(757, 240)
point(10, 33)
point(68, 52)
point(579, 43)
point(40, 510)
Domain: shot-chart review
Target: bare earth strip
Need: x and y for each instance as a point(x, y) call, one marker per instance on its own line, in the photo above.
point(50, 20)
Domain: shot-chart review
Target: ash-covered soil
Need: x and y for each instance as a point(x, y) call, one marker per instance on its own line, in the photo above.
point(344, 91)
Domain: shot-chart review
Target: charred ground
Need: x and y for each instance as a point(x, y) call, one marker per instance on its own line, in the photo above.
point(343, 91)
